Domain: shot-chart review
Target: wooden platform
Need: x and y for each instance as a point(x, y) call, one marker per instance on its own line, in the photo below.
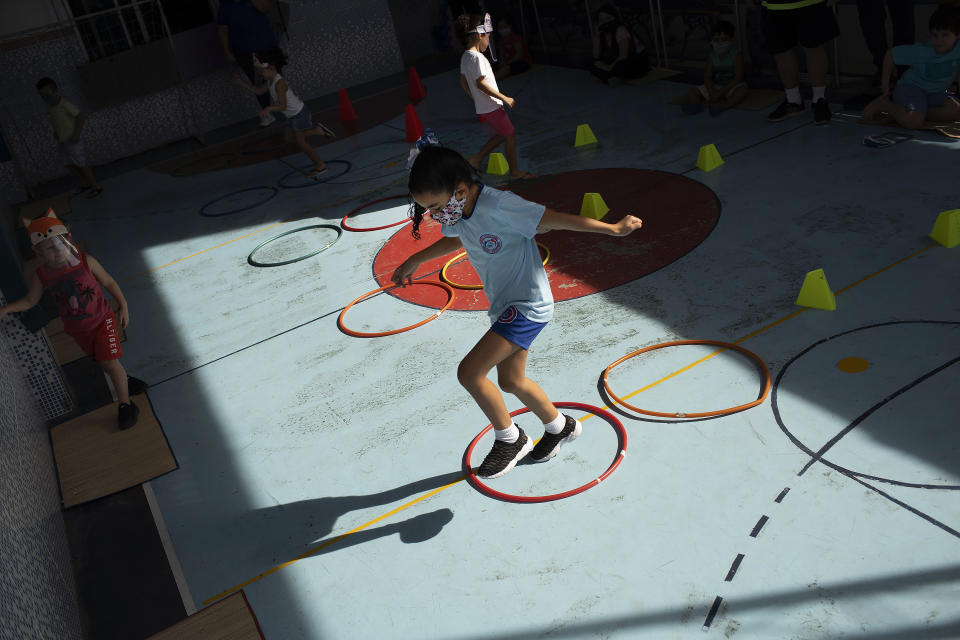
point(229, 619)
point(95, 459)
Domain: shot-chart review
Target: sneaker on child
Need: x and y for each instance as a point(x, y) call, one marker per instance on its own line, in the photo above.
point(504, 456)
point(786, 110)
point(821, 112)
point(549, 445)
point(127, 414)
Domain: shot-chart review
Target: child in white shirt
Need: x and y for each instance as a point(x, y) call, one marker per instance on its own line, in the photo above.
point(269, 63)
point(480, 84)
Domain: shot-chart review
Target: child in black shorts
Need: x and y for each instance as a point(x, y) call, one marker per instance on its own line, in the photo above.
point(811, 24)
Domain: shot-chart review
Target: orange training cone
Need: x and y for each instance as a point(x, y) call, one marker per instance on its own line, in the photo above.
point(347, 113)
point(417, 92)
point(414, 128)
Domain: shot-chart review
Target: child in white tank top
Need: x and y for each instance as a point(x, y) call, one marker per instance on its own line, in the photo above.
point(269, 63)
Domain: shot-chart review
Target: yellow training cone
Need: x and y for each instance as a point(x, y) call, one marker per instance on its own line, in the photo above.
point(497, 165)
point(593, 206)
point(584, 136)
point(816, 293)
point(946, 230)
point(709, 158)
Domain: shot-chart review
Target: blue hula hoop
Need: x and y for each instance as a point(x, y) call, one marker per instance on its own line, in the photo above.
point(273, 193)
point(312, 182)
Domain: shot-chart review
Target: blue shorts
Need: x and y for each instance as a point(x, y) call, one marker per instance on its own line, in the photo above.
point(514, 327)
point(302, 121)
point(916, 99)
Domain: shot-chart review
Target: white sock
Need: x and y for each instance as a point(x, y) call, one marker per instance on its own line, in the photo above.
point(793, 95)
point(819, 92)
point(509, 435)
point(556, 425)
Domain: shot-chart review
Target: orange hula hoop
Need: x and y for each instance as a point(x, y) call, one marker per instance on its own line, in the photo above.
point(702, 414)
point(379, 334)
point(477, 287)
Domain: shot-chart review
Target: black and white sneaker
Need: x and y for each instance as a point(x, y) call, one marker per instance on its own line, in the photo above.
point(504, 456)
point(786, 110)
point(550, 443)
point(821, 112)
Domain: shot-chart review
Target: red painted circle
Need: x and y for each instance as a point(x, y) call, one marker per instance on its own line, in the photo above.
point(347, 227)
point(597, 411)
point(678, 214)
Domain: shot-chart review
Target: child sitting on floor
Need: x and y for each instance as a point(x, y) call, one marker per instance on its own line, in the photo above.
point(723, 85)
point(515, 58)
point(921, 92)
point(74, 279)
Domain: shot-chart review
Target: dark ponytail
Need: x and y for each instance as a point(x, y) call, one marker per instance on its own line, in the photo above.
point(274, 56)
point(436, 170)
point(465, 28)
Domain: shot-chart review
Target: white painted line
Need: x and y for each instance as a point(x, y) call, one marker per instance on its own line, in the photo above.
point(172, 559)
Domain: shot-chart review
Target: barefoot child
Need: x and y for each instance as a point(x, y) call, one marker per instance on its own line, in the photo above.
point(723, 85)
point(921, 92)
point(270, 62)
point(480, 84)
point(75, 279)
point(497, 228)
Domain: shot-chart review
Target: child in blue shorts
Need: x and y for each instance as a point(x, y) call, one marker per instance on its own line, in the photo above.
point(496, 229)
point(921, 93)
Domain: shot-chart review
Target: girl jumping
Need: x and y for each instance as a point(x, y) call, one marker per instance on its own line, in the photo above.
point(269, 63)
point(497, 228)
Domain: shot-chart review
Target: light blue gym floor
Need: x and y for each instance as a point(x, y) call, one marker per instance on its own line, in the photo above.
point(290, 433)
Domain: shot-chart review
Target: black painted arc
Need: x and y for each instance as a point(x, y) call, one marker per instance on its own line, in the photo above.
point(734, 567)
point(757, 527)
point(913, 510)
point(782, 495)
point(713, 612)
point(851, 474)
point(863, 416)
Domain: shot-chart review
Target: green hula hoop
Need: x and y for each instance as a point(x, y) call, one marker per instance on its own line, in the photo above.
point(255, 263)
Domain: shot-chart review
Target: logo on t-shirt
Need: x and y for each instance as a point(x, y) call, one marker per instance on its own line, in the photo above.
point(509, 315)
point(490, 243)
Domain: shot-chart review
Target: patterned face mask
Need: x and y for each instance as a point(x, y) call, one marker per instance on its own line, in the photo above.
point(451, 212)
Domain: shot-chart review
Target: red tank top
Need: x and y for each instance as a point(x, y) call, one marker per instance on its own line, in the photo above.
point(77, 293)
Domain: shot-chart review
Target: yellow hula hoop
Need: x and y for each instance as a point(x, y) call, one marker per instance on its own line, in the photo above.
point(475, 287)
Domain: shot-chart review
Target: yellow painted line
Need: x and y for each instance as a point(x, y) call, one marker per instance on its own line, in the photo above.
point(334, 540)
point(589, 415)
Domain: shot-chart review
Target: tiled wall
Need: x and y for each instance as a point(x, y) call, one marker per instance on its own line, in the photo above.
point(37, 593)
point(331, 44)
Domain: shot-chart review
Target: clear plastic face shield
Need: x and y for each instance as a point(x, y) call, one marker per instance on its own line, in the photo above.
point(485, 28)
point(57, 252)
point(52, 242)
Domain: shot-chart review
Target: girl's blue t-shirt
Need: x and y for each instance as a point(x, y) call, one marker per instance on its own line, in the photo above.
point(931, 71)
point(499, 240)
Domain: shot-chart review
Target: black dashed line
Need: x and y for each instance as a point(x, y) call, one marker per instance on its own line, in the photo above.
point(712, 613)
point(734, 567)
point(782, 494)
point(756, 529)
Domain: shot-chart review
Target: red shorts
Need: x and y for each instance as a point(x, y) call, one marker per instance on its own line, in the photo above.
point(101, 342)
point(497, 123)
